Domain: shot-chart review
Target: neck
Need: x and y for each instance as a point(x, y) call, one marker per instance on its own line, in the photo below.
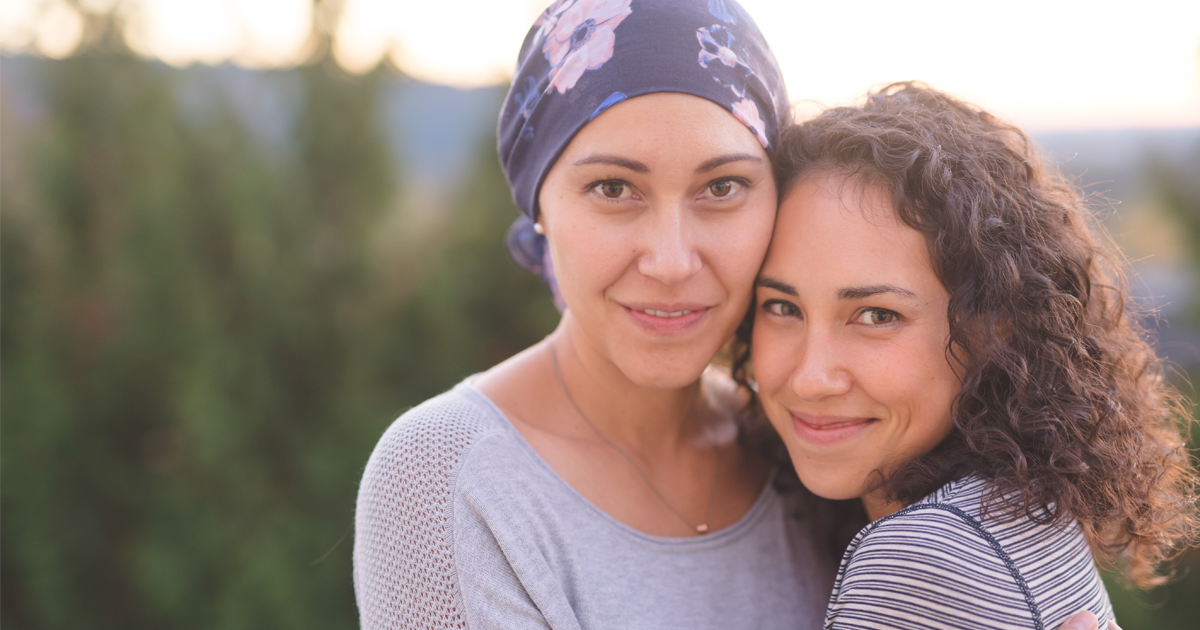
point(644, 418)
point(877, 506)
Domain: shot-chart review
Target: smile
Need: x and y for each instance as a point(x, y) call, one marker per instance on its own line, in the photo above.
point(668, 319)
point(650, 311)
point(828, 430)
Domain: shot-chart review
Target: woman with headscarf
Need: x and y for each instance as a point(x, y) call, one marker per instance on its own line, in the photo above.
point(595, 479)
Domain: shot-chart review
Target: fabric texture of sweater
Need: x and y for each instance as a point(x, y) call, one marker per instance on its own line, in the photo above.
point(461, 524)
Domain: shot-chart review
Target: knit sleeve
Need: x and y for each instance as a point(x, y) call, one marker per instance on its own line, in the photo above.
point(927, 569)
point(404, 566)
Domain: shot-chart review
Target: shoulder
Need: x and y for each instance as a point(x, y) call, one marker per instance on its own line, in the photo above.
point(1022, 542)
point(418, 459)
point(404, 570)
point(931, 563)
point(439, 432)
point(948, 561)
point(952, 509)
point(930, 540)
point(451, 420)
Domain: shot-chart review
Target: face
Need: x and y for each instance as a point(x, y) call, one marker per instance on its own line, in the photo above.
point(658, 215)
point(850, 339)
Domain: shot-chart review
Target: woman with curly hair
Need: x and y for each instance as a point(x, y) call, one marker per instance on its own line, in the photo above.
point(938, 334)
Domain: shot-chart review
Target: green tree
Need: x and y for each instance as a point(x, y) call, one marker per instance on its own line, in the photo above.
point(1176, 185)
point(198, 352)
point(182, 432)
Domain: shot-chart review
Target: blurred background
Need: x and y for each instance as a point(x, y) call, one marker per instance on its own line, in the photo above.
point(238, 238)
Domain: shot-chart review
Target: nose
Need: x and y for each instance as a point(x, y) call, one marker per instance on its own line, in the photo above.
point(670, 254)
point(820, 371)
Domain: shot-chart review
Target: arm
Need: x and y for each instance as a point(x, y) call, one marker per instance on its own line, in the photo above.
point(408, 569)
point(403, 573)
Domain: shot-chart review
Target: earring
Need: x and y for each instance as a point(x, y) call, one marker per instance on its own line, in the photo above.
point(537, 227)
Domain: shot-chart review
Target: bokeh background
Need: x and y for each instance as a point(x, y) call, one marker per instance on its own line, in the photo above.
point(238, 238)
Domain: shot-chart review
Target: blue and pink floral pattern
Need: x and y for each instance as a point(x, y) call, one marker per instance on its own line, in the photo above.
point(746, 111)
point(581, 38)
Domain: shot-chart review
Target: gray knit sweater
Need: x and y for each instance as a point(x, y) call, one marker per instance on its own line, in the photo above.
point(460, 524)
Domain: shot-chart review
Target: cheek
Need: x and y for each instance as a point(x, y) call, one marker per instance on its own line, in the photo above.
point(937, 403)
point(587, 256)
point(769, 353)
point(918, 388)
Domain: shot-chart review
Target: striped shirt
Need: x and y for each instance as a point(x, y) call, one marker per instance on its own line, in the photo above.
point(938, 564)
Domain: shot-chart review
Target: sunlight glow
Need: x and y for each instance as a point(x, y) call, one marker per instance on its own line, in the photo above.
point(1069, 64)
point(253, 33)
point(17, 22)
point(1100, 63)
point(184, 31)
point(59, 31)
point(276, 31)
point(466, 44)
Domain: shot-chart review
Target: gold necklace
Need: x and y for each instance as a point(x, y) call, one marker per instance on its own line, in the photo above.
point(701, 528)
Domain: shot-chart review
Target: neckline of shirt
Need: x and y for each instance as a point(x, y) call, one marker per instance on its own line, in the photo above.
point(765, 498)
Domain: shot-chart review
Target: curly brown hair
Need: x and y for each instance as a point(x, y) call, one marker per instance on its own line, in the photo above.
point(1064, 405)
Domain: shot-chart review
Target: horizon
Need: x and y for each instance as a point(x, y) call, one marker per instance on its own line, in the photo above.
point(403, 77)
point(801, 105)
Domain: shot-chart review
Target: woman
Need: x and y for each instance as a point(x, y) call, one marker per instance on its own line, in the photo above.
point(938, 335)
point(595, 480)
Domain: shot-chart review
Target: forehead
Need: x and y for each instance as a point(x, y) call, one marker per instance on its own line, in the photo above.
point(834, 229)
point(664, 126)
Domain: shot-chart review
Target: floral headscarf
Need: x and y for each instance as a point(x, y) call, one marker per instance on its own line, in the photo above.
point(583, 56)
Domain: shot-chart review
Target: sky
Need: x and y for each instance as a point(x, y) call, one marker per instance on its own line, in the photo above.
point(1045, 64)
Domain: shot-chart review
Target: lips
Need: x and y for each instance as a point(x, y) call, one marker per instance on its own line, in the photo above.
point(829, 430)
point(667, 318)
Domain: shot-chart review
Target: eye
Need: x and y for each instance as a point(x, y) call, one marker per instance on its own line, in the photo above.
point(725, 187)
point(781, 308)
point(613, 189)
point(877, 317)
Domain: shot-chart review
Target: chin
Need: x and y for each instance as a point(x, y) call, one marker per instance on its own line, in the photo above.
point(668, 368)
point(832, 491)
point(827, 482)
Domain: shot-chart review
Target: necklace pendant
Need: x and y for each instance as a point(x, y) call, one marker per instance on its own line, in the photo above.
point(702, 528)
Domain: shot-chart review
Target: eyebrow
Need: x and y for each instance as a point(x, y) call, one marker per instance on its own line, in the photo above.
point(638, 167)
point(849, 293)
point(722, 160)
point(779, 285)
point(858, 293)
point(614, 160)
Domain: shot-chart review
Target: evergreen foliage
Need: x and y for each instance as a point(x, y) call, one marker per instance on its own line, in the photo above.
point(1177, 186)
point(196, 356)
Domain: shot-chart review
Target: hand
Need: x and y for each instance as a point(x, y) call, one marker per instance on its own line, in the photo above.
point(1085, 620)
